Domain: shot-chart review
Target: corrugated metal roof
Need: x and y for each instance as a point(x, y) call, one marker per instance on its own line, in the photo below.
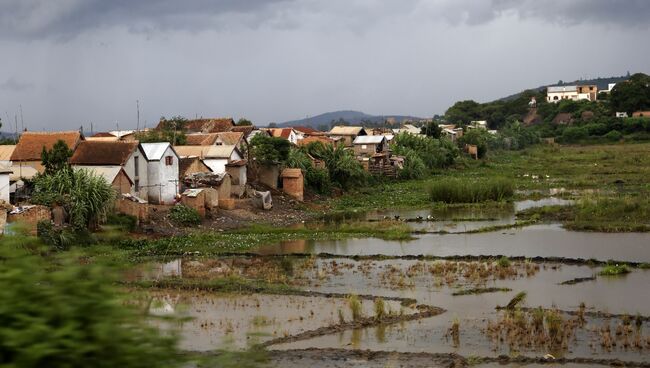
point(107, 172)
point(6, 151)
point(346, 130)
point(154, 151)
point(369, 139)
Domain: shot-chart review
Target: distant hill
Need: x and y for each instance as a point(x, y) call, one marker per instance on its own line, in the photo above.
point(602, 83)
point(349, 116)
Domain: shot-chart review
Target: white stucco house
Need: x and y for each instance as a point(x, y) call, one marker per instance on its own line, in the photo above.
point(575, 93)
point(214, 157)
point(162, 172)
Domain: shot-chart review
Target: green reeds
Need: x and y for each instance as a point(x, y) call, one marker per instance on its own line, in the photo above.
point(464, 191)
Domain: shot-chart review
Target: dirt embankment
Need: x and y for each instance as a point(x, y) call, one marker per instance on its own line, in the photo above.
point(286, 211)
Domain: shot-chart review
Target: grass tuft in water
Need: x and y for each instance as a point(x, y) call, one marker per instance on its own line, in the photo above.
point(355, 307)
point(615, 270)
point(464, 191)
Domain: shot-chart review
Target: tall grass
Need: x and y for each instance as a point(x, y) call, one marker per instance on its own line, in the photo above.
point(463, 191)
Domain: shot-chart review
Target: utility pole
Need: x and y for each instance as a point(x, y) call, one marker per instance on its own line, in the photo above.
point(16, 122)
point(22, 122)
point(92, 130)
point(137, 104)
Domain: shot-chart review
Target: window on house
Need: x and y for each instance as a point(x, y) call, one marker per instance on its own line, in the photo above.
point(136, 166)
point(169, 160)
point(137, 185)
point(363, 146)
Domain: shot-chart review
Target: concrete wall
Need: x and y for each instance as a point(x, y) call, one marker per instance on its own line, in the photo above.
point(142, 176)
point(238, 179)
point(4, 187)
point(35, 164)
point(268, 175)
point(163, 178)
point(138, 210)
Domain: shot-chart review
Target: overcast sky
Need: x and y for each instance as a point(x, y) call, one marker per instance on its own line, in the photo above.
point(72, 62)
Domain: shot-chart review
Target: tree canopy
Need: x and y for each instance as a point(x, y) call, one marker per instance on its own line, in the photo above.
point(56, 159)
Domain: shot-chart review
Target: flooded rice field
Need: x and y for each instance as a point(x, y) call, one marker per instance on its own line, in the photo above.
point(212, 320)
point(367, 303)
point(530, 241)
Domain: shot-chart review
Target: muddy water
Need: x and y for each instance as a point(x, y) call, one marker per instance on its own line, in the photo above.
point(531, 241)
point(216, 321)
point(615, 295)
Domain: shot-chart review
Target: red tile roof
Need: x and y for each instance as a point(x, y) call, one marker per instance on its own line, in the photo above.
point(103, 153)
point(281, 132)
point(31, 144)
point(246, 129)
point(103, 134)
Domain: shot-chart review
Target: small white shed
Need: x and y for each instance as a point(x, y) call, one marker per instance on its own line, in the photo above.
point(162, 172)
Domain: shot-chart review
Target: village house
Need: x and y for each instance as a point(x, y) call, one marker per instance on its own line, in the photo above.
point(286, 133)
point(347, 134)
point(162, 172)
point(478, 124)
point(30, 146)
point(370, 144)
point(575, 93)
point(126, 155)
point(214, 157)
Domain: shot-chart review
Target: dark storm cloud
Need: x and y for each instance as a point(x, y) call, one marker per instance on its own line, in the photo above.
point(63, 19)
point(34, 19)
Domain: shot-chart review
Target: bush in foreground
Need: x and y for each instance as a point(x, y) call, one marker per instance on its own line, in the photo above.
point(463, 191)
point(69, 315)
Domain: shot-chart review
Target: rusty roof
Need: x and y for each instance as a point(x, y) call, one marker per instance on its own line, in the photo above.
point(307, 130)
point(230, 138)
point(31, 144)
point(246, 129)
point(315, 138)
point(103, 153)
point(185, 163)
point(201, 139)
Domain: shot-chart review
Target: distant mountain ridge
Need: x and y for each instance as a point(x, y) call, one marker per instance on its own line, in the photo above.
point(602, 84)
point(350, 116)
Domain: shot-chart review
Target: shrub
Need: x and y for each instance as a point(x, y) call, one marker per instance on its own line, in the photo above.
point(615, 270)
point(614, 136)
point(343, 168)
point(503, 262)
point(184, 216)
point(85, 196)
point(70, 315)
point(481, 138)
point(574, 134)
point(433, 153)
point(318, 180)
point(463, 191)
point(414, 167)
